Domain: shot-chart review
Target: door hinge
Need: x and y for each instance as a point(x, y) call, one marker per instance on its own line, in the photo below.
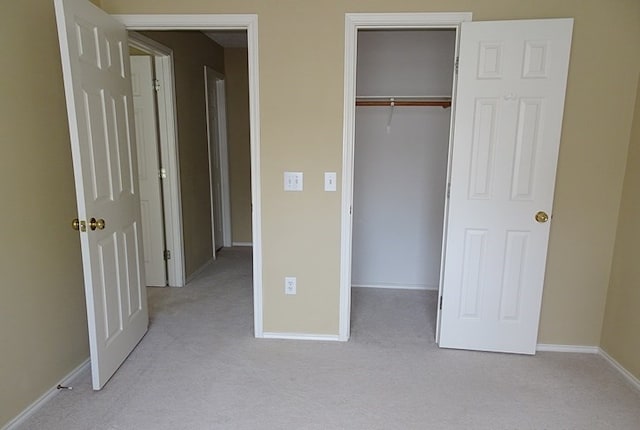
point(162, 174)
point(167, 254)
point(156, 85)
point(456, 64)
point(440, 302)
point(449, 190)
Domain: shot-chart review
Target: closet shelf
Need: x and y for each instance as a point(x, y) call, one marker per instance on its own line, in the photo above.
point(443, 102)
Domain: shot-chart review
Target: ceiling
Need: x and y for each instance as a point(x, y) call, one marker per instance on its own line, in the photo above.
point(228, 38)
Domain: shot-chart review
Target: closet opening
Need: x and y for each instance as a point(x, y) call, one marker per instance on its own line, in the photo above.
point(403, 122)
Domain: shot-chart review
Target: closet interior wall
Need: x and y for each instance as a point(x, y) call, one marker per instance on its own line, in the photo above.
point(400, 162)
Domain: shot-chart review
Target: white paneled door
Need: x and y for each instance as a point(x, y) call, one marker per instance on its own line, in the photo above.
point(509, 105)
point(145, 118)
point(95, 64)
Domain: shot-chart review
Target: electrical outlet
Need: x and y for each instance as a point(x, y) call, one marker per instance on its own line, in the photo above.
point(290, 285)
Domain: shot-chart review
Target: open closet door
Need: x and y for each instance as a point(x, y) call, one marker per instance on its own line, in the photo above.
point(509, 105)
point(95, 63)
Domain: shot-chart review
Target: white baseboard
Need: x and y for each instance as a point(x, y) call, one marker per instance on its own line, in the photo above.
point(567, 348)
point(199, 271)
point(33, 407)
point(624, 372)
point(300, 336)
point(398, 286)
point(633, 380)
point(242, 244)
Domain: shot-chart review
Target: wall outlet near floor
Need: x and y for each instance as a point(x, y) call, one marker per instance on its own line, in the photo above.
point(290, 285)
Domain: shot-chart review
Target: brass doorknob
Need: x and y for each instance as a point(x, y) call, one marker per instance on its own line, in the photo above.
point(542, 217)
point(78, 225)
point(99, 224)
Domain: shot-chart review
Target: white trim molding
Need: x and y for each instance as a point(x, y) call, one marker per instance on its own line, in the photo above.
point(353, 23)
point(419, 287)
point(224, 161)
point(546, 347)
point(219, 146)
point(301, 336)
point(630, 377)
point(248, 22)
point(48, 395)
point(242, 244)
point(188, 21)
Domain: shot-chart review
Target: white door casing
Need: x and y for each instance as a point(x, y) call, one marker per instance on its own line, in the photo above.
point(223, 150)
point(95, 64)
point(215, 179)
point(248, 23)
point(353, 23)
point(507, 124)
point(146, 127)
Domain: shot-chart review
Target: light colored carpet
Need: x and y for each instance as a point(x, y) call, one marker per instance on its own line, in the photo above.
point(199, 367)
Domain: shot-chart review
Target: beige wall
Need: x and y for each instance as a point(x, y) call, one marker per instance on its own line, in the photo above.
point(191, 52)
point(237, 91)
point(621, 331)
point(43, 326)
point(301, 89)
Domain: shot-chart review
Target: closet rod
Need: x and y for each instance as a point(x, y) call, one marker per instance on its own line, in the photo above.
point(442, 102)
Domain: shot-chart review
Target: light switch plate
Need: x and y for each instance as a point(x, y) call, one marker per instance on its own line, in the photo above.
point(330, 181)
point(293, 181)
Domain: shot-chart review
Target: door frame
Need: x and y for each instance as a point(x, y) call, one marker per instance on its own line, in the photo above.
point(223, 141)
point(249, 23)
point(169, 159)
point(353, 23)
point(223, 154)
point(224, 162)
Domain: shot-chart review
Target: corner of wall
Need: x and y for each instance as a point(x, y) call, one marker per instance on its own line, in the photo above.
point(618, 337)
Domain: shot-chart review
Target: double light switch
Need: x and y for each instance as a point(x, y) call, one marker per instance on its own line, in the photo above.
point(293, 181)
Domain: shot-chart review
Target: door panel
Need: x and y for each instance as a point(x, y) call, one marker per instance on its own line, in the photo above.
point(99, 103)
point(527, 135)
point(509, 105)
